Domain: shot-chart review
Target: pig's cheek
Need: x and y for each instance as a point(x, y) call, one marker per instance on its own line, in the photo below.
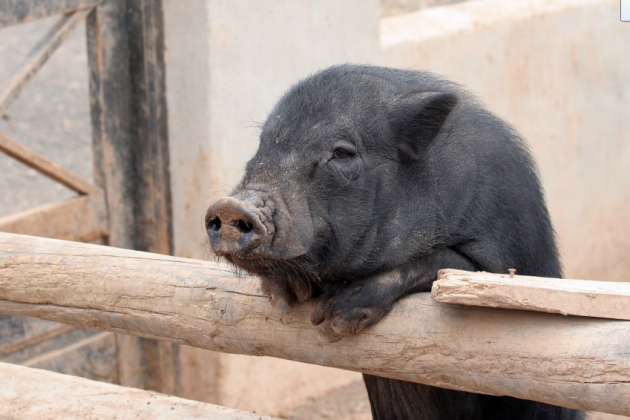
point(347, 171)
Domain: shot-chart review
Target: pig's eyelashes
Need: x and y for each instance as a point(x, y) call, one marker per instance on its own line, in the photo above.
point(343, 150)
point(341, 154)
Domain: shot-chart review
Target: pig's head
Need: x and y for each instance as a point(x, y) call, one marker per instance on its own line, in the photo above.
point(344, 181)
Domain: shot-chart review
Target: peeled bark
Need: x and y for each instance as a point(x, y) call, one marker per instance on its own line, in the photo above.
point(599, 299)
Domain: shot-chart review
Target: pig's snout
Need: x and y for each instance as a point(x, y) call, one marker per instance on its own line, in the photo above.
point(234, 228)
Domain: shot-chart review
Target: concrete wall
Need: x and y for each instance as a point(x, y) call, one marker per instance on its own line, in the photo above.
point(558, 70)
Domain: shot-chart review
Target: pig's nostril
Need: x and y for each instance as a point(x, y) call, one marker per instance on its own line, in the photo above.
point(244, 227)
point(214, 224)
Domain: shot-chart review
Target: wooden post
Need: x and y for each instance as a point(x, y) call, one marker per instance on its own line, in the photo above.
point(127, 94)
point(575, 362)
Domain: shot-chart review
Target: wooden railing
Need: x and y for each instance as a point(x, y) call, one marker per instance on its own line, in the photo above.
point(575, 362)
point(82, 219)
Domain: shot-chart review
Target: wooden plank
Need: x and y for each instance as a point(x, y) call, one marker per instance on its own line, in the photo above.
point(575, 362)
point(149, 125)
point(113, 161)
point(79, 219)
point(110, 107)
point(20, 11)
point(45, 166)
point(150, 147)
point(11, 89)
point(29, 394)
point(128, 105)
point(125, 47)
point(559, 296)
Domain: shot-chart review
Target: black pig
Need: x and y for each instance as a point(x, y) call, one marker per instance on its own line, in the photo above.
point(369, 180)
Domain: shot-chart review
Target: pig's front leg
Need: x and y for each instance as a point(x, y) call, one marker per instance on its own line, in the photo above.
point(349, 307)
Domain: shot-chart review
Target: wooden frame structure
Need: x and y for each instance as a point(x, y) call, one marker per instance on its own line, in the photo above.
point(128, 205)
point(575, 362)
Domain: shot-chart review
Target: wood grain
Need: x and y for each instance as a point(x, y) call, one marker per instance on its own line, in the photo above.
point(28, 393)
point(130, 148)
point(560, 296)
point(575, 362)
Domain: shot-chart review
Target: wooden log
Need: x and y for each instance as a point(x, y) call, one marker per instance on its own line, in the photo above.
point(599, 299)
point(574, 362)
point(28, 393)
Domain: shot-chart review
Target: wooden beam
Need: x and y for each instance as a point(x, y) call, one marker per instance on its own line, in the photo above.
point(130, 144)
point(149, 125)
point(20, 11)
point(45, 166)
point(575, 362)
point(54, 332)
point(79, 219)
point(11, 89)
point(28, 393)
point(600, 299)
point(128, 110)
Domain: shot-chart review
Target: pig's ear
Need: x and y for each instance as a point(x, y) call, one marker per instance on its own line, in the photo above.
point(418, 117)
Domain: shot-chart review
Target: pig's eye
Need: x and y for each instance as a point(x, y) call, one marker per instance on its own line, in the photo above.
point(340, 154)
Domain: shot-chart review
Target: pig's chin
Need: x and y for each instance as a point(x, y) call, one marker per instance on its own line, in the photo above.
point(276, 268)
point(257, 266)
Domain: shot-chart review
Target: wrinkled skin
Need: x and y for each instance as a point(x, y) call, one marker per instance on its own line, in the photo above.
point(368, 181)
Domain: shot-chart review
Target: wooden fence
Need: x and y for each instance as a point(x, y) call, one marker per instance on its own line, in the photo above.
point(575, 362)
point(128, 204)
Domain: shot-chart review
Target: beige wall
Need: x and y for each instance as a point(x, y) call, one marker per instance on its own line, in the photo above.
point(558, 70)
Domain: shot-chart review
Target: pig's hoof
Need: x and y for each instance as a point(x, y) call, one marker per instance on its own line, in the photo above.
point(277, 295)
point(336, 325)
